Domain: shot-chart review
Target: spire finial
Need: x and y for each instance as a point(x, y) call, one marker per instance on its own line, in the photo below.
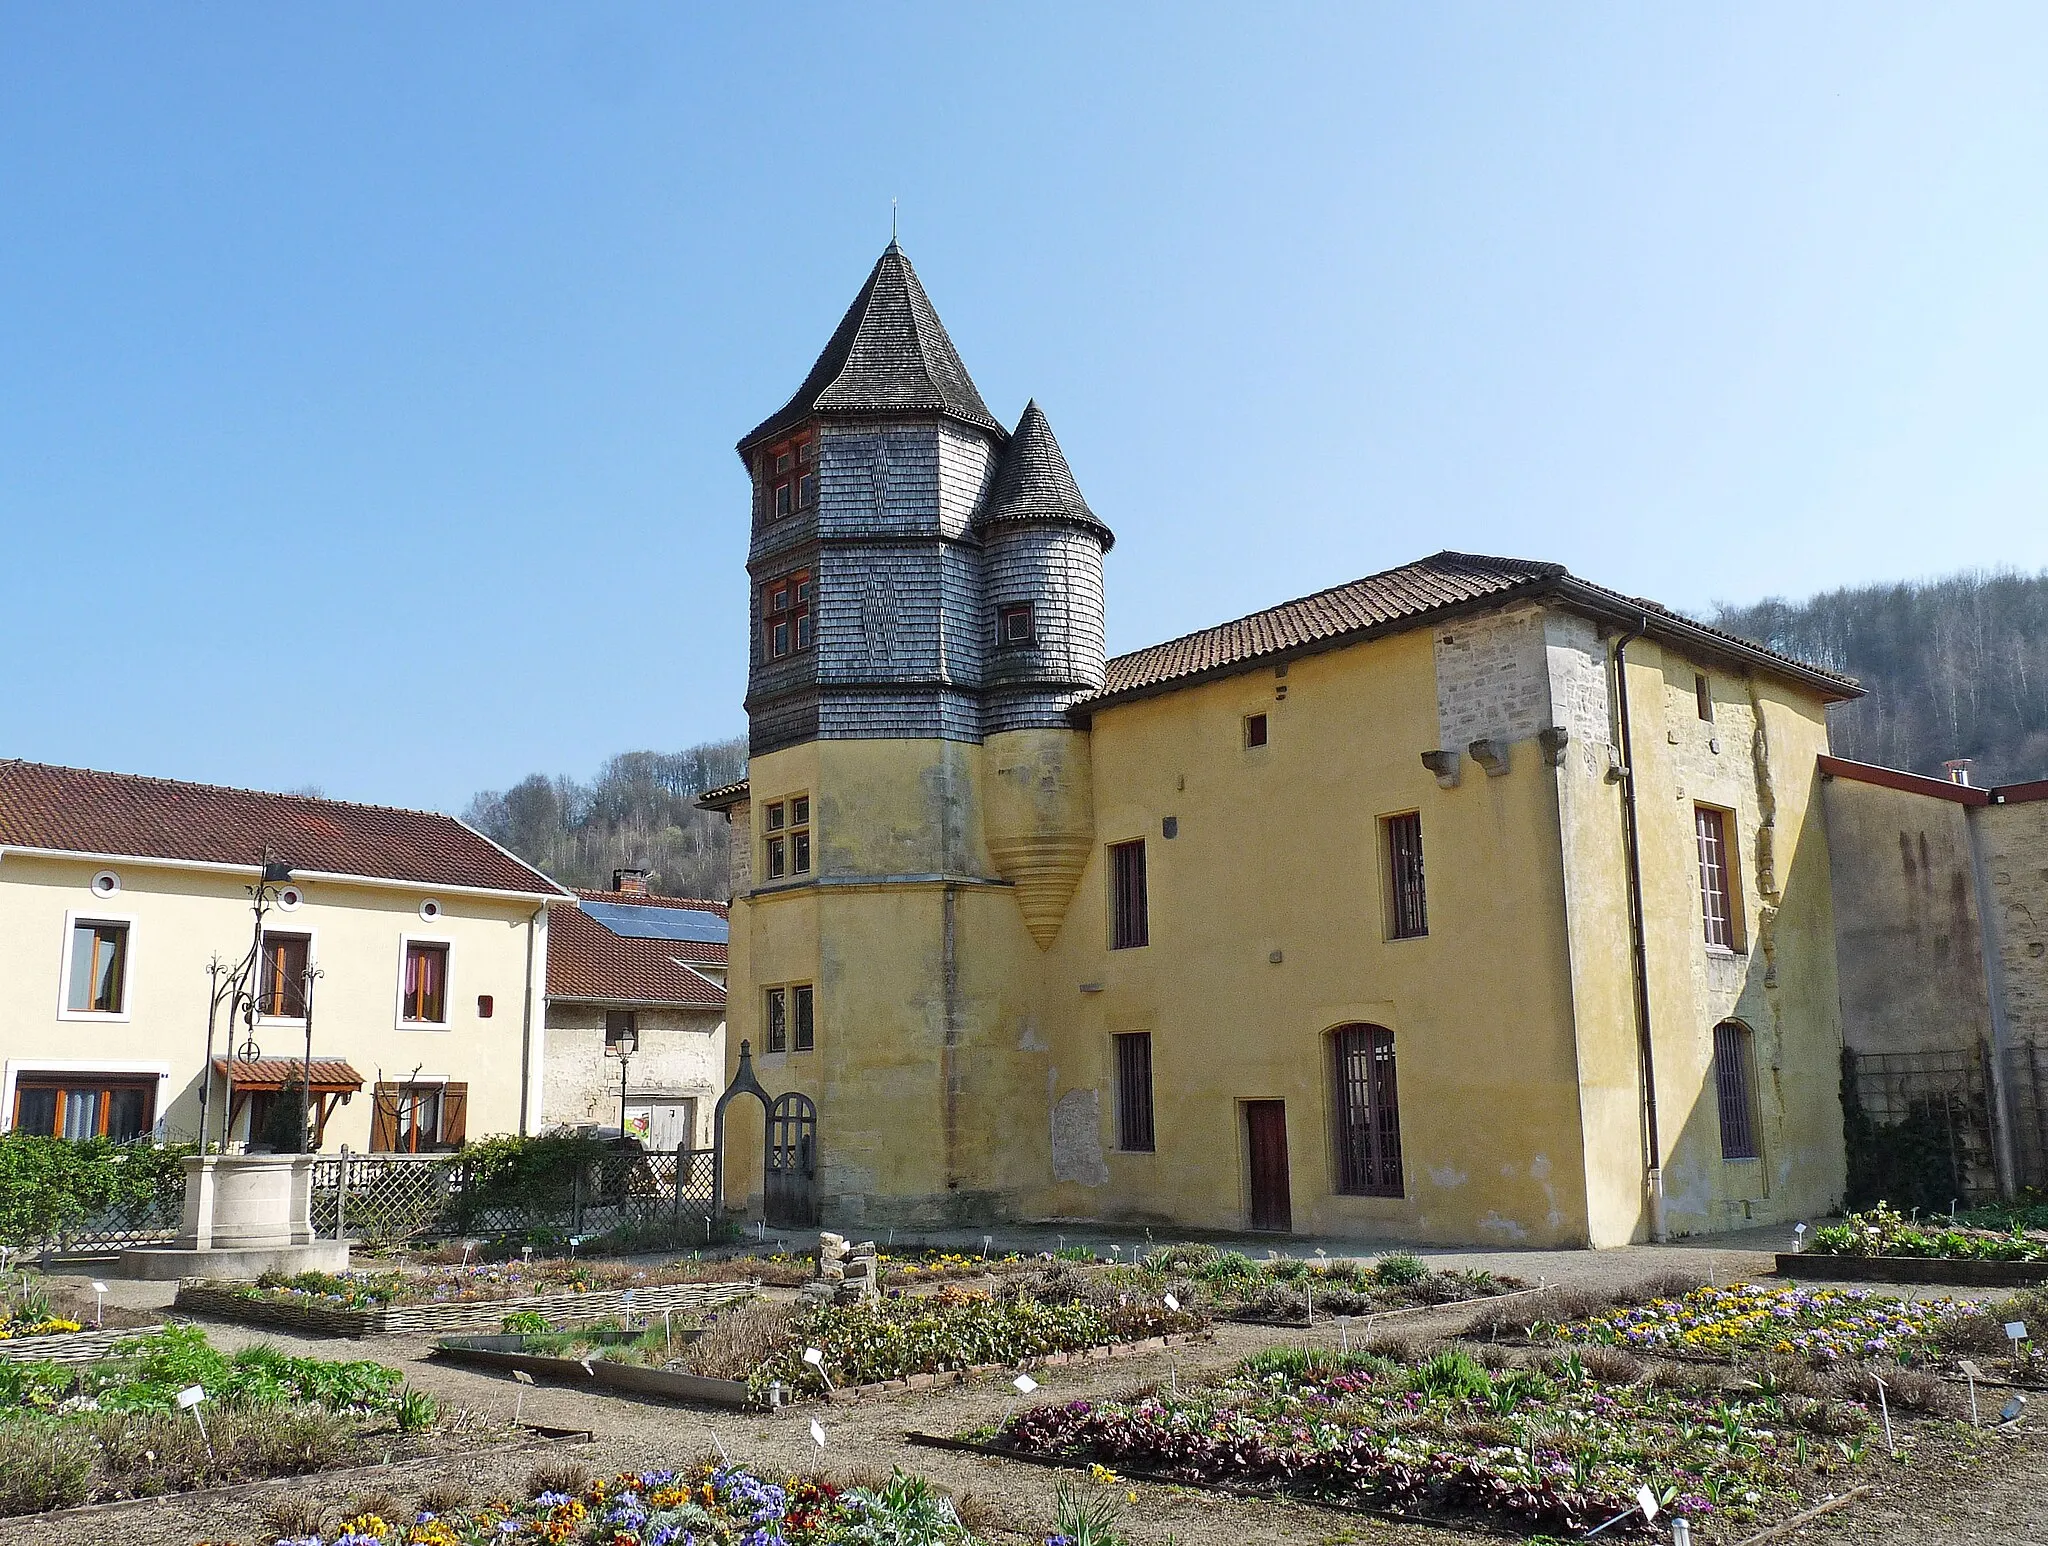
point(892, 222)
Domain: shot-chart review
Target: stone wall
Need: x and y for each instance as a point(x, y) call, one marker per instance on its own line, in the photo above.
point(682, 1055)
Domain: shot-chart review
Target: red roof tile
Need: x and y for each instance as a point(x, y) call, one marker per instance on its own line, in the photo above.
point(587, 962)
point(1407, 597)
point(79, 810)
point(330, 1075)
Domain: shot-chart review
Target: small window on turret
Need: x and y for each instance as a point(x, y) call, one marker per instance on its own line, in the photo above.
point(789, 476)
point(1015, 624)
point(786, 615)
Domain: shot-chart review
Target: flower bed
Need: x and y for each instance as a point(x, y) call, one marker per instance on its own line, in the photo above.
point(112, 1429)
point(1884, 1231)
point(702, 1505)
point(1286, 1290)
point(1821, 1325)
point(1446, 1438)
point(880, 1340)
point(375, 1307)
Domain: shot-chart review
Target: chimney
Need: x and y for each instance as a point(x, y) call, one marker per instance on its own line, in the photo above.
point(1958, 771)
point(630, 882)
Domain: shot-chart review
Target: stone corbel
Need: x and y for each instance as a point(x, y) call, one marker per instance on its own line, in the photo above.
point(1445, 766)
point(1553, 741)
point(1492, 755)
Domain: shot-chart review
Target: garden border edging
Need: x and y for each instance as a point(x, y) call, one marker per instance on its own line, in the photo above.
point(455, 1315)
point(1963, 1272)
point(70, 1346)
point(1100, 1353)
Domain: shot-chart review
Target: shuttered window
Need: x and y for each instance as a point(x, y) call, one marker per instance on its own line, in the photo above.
point(1134, 1092)
point(1734, 1089)
point(1717, 909)
point(1368, 1112)
point(1408, 909)
point(418, 1118)
point(1128, 924)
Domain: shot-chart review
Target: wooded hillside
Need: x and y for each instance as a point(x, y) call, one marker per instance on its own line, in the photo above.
point(1956, 667)
point(639, 811)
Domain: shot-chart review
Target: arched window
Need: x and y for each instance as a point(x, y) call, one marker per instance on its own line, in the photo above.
point(1735, 1089)
point(1368, 1110)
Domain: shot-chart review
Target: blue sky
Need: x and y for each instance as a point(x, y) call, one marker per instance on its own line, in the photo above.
point(369, 375)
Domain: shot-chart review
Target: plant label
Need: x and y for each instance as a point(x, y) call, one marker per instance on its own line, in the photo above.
point(191, 1396)
point(2016, 1330)
point(1172, 1304)
point(817, 1433)
point(1646, 1500)
point(522, 1376)
point(1972, 1370)
point(98, 1287)
point(1025, 1384)
point(815, 1357)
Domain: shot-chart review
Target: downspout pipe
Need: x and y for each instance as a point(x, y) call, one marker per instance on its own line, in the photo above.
point(1646, 1052)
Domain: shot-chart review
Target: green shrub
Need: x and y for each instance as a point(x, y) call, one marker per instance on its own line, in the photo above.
point(43, 1466)
point(48, 1184)
point(1455, 1376)
point(1400, 1269)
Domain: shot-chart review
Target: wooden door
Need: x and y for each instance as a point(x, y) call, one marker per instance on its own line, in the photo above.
point(1265, 1132)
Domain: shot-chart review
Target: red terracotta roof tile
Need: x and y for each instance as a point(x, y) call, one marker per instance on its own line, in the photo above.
point(588, 962)
point(83, 811)
point(330, 1075)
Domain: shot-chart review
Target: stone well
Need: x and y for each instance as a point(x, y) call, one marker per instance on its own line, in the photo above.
point(245, 1215)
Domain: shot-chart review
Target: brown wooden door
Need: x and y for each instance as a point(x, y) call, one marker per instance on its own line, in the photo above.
point(1265, 1132)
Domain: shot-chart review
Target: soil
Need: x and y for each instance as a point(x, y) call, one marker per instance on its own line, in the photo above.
point(1953, 1486)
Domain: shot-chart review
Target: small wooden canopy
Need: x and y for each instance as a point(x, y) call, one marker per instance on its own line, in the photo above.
point(333, 1082)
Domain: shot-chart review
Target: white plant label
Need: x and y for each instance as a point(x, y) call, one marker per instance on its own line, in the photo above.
point(1172, 1304)
point(815, 1357)
point(191, 1396)
point(98, 1287)
point(1025, 1384)
point(522, 1376)
point(1646, 1500)
point(818, 1433)
point(626, 1299)
point(2016, 1330)
point(1972, 1370)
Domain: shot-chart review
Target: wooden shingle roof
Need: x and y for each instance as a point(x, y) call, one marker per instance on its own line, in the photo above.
point(889, 354)
point(1034, 483)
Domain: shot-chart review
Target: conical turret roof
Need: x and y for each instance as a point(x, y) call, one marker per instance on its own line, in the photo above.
point(1034, 482)
point(889, 354)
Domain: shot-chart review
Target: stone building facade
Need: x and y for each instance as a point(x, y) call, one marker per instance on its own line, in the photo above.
point(1153, 938)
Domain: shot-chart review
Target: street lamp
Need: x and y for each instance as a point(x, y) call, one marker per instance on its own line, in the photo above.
point(623, 1047)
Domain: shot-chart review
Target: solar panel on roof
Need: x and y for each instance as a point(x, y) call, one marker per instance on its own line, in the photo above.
point(678, 923)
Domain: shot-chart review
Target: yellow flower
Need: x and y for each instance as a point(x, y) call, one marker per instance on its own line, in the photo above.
point(1102, 1476)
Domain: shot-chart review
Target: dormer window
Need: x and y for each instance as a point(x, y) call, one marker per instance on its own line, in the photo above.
point(789, 476)
point(1015, 624)
point(786, 615)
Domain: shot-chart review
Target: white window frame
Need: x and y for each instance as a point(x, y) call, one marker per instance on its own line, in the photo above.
point(72, 919)
point(16, 1067)
point(405, 944)
point(311, 936)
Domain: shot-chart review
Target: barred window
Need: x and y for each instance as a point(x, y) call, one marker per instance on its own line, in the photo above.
point(1129, 926)
point(1134, 1092)
point(1735, 1090)
point(1407, 907)
point(1368, 1112)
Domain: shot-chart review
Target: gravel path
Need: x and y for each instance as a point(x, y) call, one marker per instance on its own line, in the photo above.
point(1984, 1493)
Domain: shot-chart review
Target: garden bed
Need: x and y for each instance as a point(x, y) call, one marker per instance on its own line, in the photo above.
point(523, 1354)
point(1549, 1446)
point(100, 1432)
point(70, 1346)
point(306, 1312)
point(1958, 1272)
point(1292, 1291)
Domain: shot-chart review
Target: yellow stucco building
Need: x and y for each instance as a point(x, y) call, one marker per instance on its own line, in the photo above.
point(1469, 901)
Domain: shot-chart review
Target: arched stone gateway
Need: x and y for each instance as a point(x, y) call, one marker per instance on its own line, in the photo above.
point(789, 1161)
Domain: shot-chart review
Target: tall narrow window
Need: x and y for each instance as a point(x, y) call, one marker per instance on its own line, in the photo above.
point(1368, 1112)
point(1734, 1090)
point(1128, 925)
point(1703, 696)
point(1717, 901)
point(786, 615)
point(801, 1011)
point(778, 1019)
point(1407, 907)
point(775, 823)
point(99, 968)
point(800, 835)
point(283, 994)
point(1134, 1092)
point(426, 984)
point(1255, 730)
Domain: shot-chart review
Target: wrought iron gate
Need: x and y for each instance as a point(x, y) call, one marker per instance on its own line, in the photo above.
point(790, 1191)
